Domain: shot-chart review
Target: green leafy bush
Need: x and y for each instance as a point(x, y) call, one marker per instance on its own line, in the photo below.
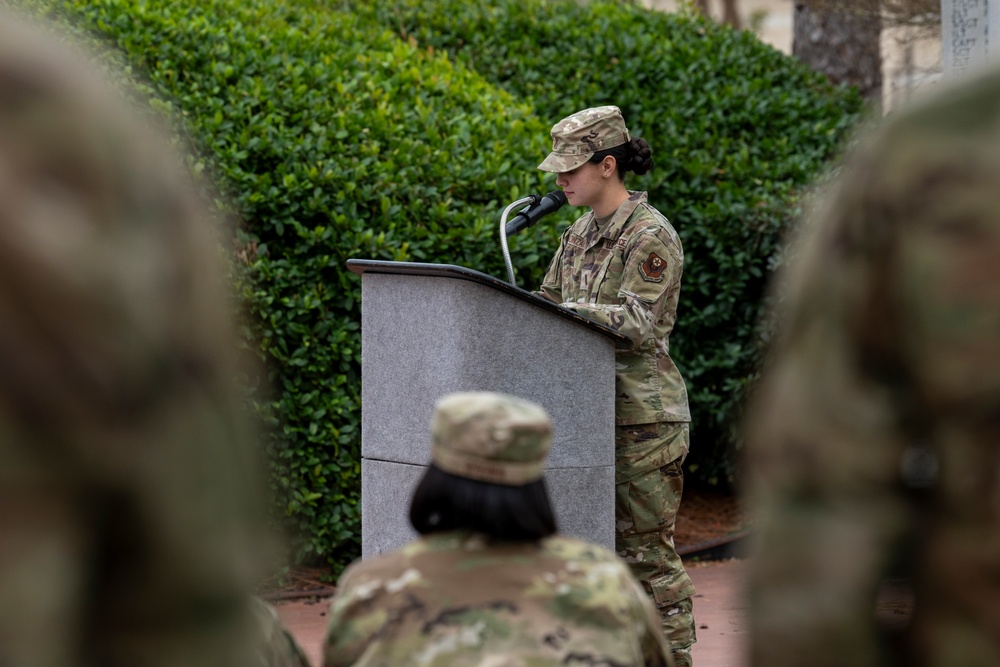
point(736, 128)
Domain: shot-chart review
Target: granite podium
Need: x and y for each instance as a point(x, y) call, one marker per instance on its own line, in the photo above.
point(432, 329)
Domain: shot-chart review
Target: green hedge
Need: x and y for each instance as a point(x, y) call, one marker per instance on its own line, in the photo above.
point(736, 127)
point(332, 137)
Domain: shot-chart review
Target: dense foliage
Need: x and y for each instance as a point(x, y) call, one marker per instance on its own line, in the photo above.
point(400, 130)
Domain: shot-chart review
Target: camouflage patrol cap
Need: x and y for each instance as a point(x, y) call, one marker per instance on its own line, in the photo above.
point(490, 437)
point(576, 138)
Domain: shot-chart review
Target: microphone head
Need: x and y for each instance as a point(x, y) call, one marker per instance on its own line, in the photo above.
point(534, 212)
point(558, 196)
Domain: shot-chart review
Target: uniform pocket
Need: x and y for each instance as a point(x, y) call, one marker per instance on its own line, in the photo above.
point(671, 588)
point(644, 448)
point(651, 501)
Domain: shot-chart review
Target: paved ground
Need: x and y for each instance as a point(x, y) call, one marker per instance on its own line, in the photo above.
point(719, 611)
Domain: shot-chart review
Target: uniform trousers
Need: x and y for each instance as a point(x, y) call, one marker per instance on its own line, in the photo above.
point(649, 481)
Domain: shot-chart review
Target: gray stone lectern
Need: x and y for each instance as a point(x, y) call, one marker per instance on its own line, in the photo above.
point(431, 329)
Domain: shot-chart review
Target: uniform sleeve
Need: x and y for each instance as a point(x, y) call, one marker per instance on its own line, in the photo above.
point(350, 630)
point(652, 272)
point(551, 287)
point(824, 450)
point(277, 646)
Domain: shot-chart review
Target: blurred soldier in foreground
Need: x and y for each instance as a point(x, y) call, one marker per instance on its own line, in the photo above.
point(489, 583)
point(130, 532)
point(874, 440)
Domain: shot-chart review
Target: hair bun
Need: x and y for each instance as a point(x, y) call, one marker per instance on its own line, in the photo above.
point(640, 156)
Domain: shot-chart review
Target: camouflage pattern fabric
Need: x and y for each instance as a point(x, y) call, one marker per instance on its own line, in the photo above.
point(874, 442)
point(576, 138)
point(130, 526)
point(627, 276)
point(275, 645)
point(490, 437)
point(454, 598)
point(648, 487)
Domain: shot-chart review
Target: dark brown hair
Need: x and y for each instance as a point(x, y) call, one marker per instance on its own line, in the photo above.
point(444, 501)
point(634, 155)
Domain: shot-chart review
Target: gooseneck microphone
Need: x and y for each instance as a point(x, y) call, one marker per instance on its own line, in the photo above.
point(534, 208)
point(534, 212)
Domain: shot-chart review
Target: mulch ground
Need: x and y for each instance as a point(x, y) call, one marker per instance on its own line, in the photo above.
point(707, 515)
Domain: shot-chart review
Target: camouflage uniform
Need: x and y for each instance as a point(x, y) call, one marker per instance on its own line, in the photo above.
point(874, 438)
point(129, 531)
point(459, 597)
point(275, 646)
point(626, 274)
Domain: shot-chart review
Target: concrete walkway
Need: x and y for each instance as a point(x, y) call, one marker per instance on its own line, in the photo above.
point(719, 610)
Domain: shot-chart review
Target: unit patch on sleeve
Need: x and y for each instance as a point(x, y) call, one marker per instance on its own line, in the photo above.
point(653, 267)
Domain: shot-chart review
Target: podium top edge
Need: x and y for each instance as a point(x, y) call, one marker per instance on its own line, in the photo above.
point(363, 266)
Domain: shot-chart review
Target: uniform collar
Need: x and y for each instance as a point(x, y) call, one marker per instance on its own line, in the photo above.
point(588, 224)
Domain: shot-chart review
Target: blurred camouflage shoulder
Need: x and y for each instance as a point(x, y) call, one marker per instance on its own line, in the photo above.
point(456, 598)
point(130, 499)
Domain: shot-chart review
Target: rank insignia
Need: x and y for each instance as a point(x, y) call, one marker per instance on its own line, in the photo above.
point(653, 267)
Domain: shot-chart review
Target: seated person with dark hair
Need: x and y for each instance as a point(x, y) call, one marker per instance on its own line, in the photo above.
point(489, 582)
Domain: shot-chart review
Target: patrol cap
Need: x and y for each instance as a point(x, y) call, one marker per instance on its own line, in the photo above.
point(576, 138)
point(490, 437)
